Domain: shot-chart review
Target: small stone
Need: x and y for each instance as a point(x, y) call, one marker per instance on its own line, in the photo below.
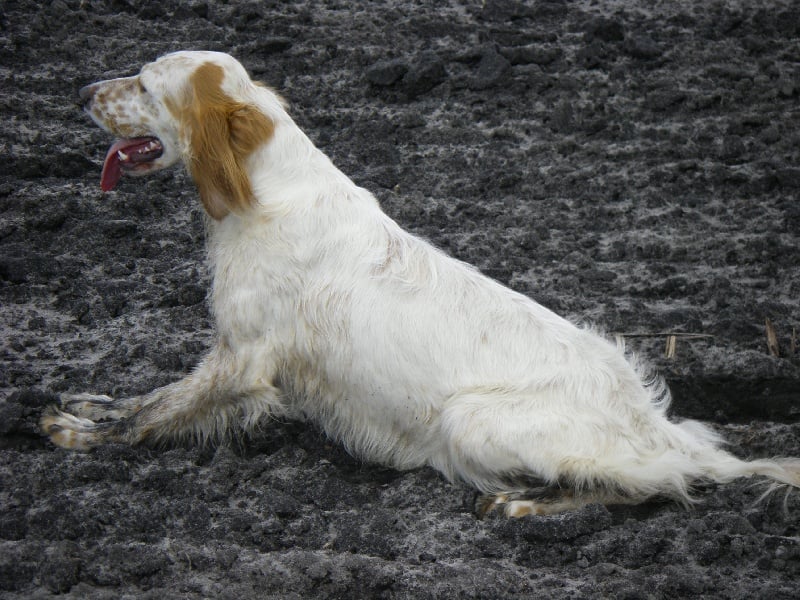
point(424, 75)
point(274, 44)
point(492, 69)
point(786, 88)
point(607, 30)
point(386, 72)
point(642, 47)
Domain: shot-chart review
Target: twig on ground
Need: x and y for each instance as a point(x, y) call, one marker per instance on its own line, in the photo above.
point(672, 339)
point(772, 339)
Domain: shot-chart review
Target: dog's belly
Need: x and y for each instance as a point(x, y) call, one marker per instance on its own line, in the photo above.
point(383, 421)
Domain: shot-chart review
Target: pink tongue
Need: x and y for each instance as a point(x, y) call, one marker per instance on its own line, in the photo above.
point(112, 167)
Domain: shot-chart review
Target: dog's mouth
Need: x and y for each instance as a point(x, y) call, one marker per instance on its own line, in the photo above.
point(134, 155)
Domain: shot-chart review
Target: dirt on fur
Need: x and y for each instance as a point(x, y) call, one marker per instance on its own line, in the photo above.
point(632, 164)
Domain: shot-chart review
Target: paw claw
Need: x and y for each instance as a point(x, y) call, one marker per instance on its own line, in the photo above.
point(51, 428)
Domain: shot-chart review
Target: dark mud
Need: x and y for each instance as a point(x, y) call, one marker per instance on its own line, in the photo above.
point(633, 164)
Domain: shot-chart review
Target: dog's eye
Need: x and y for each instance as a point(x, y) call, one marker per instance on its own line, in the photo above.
point(141, 87)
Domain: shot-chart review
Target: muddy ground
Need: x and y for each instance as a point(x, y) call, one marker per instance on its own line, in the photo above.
point(629, 163)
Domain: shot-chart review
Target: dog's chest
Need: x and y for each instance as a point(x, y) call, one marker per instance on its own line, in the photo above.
point(255, 285)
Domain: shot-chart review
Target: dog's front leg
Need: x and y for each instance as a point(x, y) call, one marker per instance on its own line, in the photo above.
point(222, 393)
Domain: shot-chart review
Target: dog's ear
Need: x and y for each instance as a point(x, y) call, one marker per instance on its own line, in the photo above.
point(222, 134)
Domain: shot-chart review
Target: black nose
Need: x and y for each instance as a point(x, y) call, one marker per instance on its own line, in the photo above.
point(86, 94)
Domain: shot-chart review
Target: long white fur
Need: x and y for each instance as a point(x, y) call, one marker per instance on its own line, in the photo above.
point(327, 310)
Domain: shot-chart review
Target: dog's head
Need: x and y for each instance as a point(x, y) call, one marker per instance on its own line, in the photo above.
point(197, 107)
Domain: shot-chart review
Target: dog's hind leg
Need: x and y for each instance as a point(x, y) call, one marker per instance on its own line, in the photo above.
point(497, 438)
point(620, 453)
point(202, 406)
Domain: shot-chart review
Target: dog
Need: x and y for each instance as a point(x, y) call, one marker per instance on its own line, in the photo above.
point(327, 311)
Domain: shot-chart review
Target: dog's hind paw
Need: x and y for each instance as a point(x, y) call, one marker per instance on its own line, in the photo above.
point(537, 502)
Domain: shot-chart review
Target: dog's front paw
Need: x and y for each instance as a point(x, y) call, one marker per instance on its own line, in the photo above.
point(95, 407)
point(99, 407)
point(68, 431)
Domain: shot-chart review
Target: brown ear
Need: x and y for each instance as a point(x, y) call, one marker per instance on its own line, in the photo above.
point(223, 133)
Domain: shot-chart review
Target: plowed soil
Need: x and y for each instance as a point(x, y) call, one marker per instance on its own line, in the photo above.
point(633, 164)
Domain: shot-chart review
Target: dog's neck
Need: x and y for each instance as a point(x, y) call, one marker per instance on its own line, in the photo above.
point(289, 171)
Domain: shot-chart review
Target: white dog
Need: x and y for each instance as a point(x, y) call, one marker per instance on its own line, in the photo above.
point(328, 311)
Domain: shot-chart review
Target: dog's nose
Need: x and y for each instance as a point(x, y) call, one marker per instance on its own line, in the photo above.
point(86, 94)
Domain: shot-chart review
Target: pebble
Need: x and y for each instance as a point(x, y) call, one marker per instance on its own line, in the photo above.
point(607, 30)
point(423, 75)
point(492, 69)
point(642, 47)
point(386, 72)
